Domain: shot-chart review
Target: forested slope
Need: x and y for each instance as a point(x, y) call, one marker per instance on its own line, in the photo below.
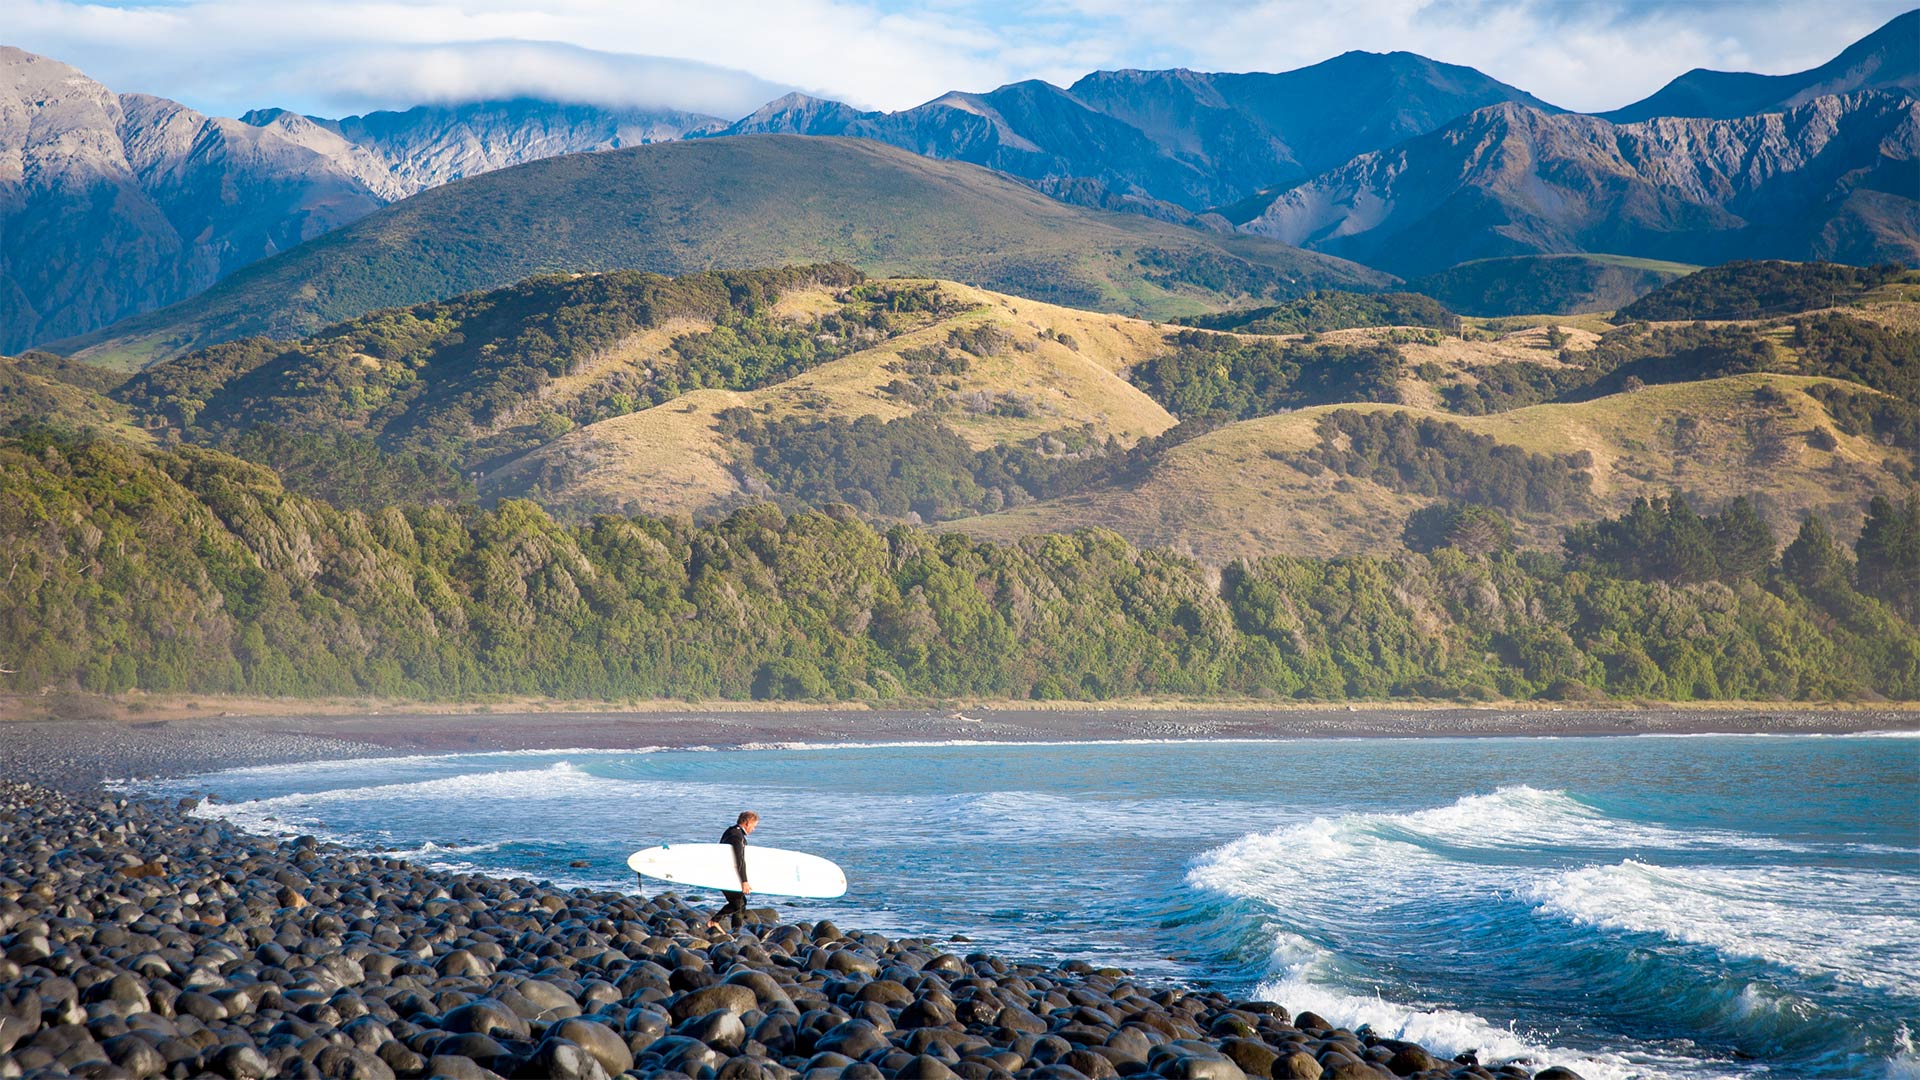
point(195, 571)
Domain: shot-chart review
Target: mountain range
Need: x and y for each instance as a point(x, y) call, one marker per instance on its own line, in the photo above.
point(117, 204)
point(1833, 179)
point(1394, 159)
point(752, 201)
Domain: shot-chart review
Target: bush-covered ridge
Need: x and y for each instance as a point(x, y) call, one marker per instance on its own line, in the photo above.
point(1232, 378)
point(1330, 309)
point(449, 377)
point(1757, 289)
point(1545, 284)
point(192, 570)
point(1834, 346)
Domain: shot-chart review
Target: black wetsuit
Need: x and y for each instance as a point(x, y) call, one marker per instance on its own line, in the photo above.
point(736, 905)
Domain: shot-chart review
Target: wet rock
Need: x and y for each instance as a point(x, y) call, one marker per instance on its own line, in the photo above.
point(597, 1039)
point(562, 1059)
point(1185, 1064)
point(459, 1068)
point(135, 1055)
point(351, 1063)
point(925, 1067)
point(854, 1039)
point(550, 1002)
point(1408, 1059)
point(240, 1062)
point(681, 1054)
point(462, 962)
point(731, 997)
point(485, 1017)
point(474, 1046)
point(1090, 1064)
point(1254, 1057)
point(850, 962)
point(720, 1029)
point(926, 1011)
point(1298, 1065)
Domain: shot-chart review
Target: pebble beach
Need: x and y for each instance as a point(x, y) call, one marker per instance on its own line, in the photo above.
point(143, 941)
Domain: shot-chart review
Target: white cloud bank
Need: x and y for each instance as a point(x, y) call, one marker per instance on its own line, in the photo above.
point(726, 56)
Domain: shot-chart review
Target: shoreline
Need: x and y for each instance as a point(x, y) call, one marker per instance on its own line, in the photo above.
point(79, 753)
point(138, 706)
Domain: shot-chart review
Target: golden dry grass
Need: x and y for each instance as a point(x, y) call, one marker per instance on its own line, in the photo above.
point(1229, 494)
point(672, 458)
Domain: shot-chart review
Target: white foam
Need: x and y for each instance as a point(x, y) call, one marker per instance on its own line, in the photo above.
point(1357, 855)
point(1904, 1062)
point(1851, 925)
point(1304, 970)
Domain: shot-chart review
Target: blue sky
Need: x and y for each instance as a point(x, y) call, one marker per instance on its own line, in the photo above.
point(727, 56)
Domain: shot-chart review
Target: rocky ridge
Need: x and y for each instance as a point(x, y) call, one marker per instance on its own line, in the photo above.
point(1832, 179)
point(118, 203)
point(1147, 139)
point(429, 145)
point(1887, 59)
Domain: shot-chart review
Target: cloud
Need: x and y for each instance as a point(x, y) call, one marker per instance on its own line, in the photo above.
point(333, 56)
point(384, 77)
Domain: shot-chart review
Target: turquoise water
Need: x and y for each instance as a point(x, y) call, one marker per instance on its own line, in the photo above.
point(1703, 906)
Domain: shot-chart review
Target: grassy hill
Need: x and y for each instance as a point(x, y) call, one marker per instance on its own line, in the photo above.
point(751, 201)
point(1547, 284)
point(1260, 485)
point(1023, 372)
point(1254, 488)
point(923, 400)
point(43, 388)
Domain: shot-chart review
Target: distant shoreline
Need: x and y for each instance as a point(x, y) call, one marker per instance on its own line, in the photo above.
point(84, 750)
point(137, 707)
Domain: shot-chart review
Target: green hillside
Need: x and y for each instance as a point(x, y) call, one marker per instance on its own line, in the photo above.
point(1755, 289)
point(1546, 284)
point(41, 388)
point(191, 571)
point(750, 201)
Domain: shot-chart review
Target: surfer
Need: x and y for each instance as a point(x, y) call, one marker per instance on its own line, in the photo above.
point(736, 838)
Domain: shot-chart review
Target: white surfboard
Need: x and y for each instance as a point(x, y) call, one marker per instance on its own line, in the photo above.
point(769, 870)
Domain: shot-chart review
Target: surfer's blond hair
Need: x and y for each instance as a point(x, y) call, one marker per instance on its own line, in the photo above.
point(745, 817)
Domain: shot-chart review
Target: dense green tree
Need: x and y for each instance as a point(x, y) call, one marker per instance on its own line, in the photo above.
point(1219, 375)
point(1434, 458)
point(1815, 562)
point(1889, 553)
point(1474, 529)
point(1666, 540)
point(1743, 542)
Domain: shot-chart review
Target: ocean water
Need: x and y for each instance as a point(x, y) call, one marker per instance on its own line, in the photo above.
point(1710, 906)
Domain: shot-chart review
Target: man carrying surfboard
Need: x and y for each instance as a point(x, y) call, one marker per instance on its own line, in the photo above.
point(735, 837)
